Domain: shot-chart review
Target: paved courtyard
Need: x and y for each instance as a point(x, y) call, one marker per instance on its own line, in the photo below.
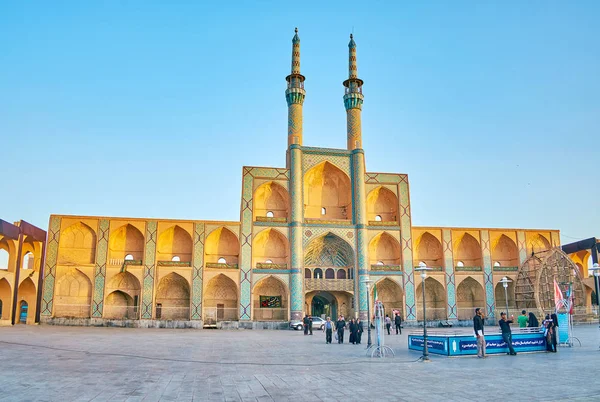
point(40, 363)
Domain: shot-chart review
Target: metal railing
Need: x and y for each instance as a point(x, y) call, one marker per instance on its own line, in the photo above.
point(346, 285)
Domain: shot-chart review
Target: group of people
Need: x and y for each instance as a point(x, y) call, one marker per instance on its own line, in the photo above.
point(550, 326)
point(354, 326)
point(397, 323)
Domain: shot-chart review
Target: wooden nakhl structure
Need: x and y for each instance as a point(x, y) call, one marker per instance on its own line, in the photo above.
point(534, 288)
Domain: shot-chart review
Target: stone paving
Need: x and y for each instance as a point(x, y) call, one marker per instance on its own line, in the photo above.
point(47, 363)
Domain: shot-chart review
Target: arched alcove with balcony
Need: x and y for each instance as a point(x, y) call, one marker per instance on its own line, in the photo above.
point(221, 299)
point(428, 249)
point(505, 253)
point(324, 252)
point(435, 297)
point(384, 250)
point(126, 240)
point(174, 242)
point(270, 300)
point(469, 295)
point(123, 292)
point(270, 200)
point(27, 296)
point(270, 245)
point(500, 298)
point(468, 251)
point(4, 256)
point(221, 245)
point(5, 299)
point(327, 193)
point(391, 296)
point(382, 205)
point(73, 295)
point(173, 298)
point(538, 243)
point(77, 245)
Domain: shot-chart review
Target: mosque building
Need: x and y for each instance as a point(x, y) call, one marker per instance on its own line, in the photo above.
point(308, 237)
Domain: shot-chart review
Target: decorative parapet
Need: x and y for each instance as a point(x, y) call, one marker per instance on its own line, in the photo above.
point(119, 262)
point(377, 267)
point(219, 265)
point(383, 223)
point(344, 285)
point(506, 269)
point(345, 222)
point(174, 263)
point(433, 269)
point(271, 219)
point(265, 265)
point(468, 269)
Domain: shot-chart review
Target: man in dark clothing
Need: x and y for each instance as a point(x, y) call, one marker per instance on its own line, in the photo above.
point(339, 326)
point(359, 330)
point(506, 332)
point(478, 328)
point(305, 324)
point(328, 328)
point(310, 323)
point(398, 323)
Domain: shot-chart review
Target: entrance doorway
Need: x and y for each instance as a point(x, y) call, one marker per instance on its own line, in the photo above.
point(23, 312)
point(324, 304)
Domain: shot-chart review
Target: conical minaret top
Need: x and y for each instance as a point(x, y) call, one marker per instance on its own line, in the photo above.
point(295, 94)
point(353, 99)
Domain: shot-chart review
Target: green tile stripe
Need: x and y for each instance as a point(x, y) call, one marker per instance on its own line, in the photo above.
point(198, 266)
point(149, 256)
point(50, 269)
point(100, 269)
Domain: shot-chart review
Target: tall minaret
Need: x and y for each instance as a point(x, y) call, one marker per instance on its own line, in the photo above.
point(353, 100)
point(294, 95)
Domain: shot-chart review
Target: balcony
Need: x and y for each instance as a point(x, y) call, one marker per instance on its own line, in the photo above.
point(506, 269)
point(220, 265)
point(383, 223)
point(468, 269)
point(265, 265)
point(378, 267)
point(343, 285)
point(281, 219)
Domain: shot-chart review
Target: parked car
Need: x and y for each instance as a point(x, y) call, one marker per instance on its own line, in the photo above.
point(318, 323)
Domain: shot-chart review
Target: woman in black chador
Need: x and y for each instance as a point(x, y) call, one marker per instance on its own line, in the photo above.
point(359, 331)
point(352, 328)
point(532, 321)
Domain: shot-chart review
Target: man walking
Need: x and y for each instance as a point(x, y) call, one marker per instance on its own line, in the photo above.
point(305, 324)
point(339, 326)
point(310, 322)
point(398, 323)
point(478, 327)
point(506, 332)
point(328, 328)
point(522, 320)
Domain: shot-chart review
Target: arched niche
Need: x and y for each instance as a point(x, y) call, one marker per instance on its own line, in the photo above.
point(28, 294)
point(505, 253)
point(428, 249)
point(539, 243)
point(382, 203)
point(4, 257)
point(5, 298)
point(174, 242)
point(435, 296)
point(173, 298)
point(126, 283)
point(126, 240)
point(327, 193)
point(73, 295)
point(221, 299)
point(384, 248)
point(391, 296)
point(270, 197)
point(222, 243)
point(468, 251)
point(270, 300)
point(330, 273)
point(119, 305)
point(269, 245)
point(469, 295)
point(77, 245)
point(328, 250)
point(28, 261)
point(500, 297)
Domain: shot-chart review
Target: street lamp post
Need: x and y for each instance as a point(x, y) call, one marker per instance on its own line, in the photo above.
point(596, 270)
point(505, 282)
point(368, 282)
point(423, 270)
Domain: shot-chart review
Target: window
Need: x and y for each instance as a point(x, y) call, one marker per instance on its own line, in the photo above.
point(329, 274)
point(307, 273)
point(27, 261)
point(176, 258)
point(496, 264)
point(422, 262)
point(378, 218)
point(222, 261)
point(341, 274)
point(460, 264)
point(3, 259)
point(270, 214)
point(318, 273)
point(128, 257)
point(323, 211)
point(380, 263)
point(269, 261)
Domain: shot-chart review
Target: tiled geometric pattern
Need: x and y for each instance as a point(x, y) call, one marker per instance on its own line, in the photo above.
point(353, 127)
point(295, 121)
point(487, 273)
point(198, 265)
point(450, 279)
point(148, 282)
point(406, 247)
point(309, 235)
point(385, 178)
point(100, 269)
point(296, 245)
point(310, 160)
point(50, 270)
point(360, 219)
point(522, 247)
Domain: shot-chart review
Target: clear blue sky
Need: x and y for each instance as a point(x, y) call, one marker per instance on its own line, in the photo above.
point(151, 108)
